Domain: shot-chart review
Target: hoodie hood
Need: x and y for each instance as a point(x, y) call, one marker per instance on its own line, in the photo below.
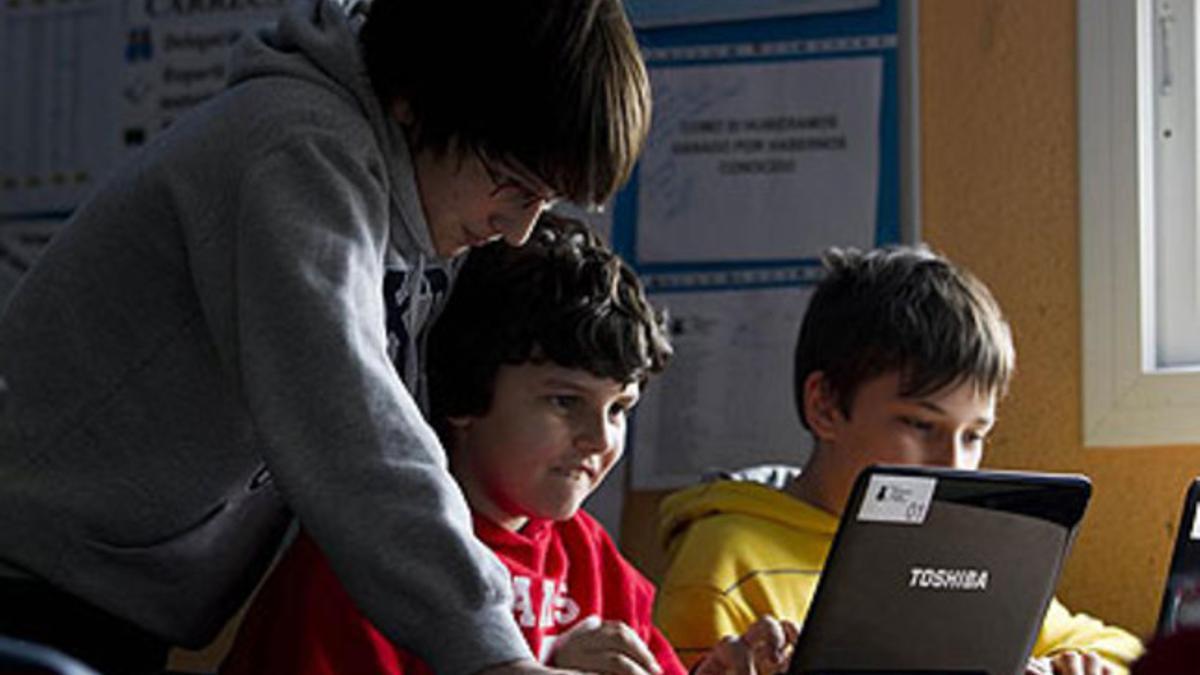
point(317, 41)
point(683, 509)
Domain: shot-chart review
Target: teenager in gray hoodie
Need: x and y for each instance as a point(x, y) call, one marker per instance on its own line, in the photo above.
point(228, 334)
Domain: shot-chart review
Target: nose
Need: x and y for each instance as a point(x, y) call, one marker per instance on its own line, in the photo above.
point(595, 435)
point(949, 451)
point(962, 454)
point(516, 228)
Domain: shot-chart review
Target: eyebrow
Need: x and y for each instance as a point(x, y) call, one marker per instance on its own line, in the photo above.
point(566, 382)
point(561, 381)
point(929, 405)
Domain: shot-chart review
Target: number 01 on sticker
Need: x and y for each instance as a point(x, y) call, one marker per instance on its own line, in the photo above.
point(897, 499)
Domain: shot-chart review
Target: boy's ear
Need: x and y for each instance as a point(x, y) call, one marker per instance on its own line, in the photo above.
point(821, 406)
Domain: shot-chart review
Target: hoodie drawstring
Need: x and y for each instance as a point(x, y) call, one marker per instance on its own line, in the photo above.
point(412, 300)
point(418, 294)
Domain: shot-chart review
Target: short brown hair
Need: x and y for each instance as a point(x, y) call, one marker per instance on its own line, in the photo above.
point(563, 298)
point(557, 85)
point(901, 309)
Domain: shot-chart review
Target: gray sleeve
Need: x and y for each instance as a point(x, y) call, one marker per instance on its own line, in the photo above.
point(347, 446)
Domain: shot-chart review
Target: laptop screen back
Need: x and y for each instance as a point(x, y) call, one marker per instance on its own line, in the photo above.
point(1181, 597)
point(940, 571)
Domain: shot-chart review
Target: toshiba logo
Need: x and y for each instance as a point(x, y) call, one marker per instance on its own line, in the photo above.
point(942, 579)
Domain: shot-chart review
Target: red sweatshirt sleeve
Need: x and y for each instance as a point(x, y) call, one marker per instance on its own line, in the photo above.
point(625, 594)
point(303, 622)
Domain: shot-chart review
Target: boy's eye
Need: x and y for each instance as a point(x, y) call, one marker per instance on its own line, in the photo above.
point(975, 437)
point(564, 401)
point(515, 191)
point(917, 423)
point(526, 198)
point(518, 193)
point(619, 410)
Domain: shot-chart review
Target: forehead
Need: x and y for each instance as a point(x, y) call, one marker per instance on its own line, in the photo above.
point(552, 375)
point(964, 396)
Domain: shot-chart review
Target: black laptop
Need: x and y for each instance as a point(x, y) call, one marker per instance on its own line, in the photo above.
point(940, 571)
point(1181, 598)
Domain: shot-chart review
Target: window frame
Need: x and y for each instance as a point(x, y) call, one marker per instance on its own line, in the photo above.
point(1127, 400)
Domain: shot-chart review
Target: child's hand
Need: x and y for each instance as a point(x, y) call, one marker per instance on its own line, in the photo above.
point(764, 649)
point(1071, 663)
point(597, 646)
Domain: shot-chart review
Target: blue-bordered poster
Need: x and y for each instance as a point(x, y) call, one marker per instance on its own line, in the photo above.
point(777, 133)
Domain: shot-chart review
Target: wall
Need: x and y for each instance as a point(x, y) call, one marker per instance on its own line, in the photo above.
point(1000, 195)
point(1000, 190)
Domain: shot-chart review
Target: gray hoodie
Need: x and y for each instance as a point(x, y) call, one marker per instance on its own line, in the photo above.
point(200, 356)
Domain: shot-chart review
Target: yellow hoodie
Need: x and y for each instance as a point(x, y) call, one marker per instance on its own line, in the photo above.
point(739, 550)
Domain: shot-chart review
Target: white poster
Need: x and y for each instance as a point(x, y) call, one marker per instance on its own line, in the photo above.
point(725, 401)
point(87, 81)
point(58, 66)
point(176, 56)
point(760, 161)
point(654, 13)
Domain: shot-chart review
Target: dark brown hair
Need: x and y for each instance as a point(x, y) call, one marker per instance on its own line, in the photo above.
point(563, 298)
point(901, 309)
point(557, 85)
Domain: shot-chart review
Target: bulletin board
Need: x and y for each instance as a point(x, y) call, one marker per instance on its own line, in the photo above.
point(87, 82)
point(779, 129)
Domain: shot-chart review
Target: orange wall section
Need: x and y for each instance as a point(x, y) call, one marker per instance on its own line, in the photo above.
point(1000, 195)
point(999, 140)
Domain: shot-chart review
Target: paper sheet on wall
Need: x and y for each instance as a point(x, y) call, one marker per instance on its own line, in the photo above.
point(176, 56)
point(652, 13)
point(785, 154)
point(57, 69)
point(728, 391)
point(88, 81)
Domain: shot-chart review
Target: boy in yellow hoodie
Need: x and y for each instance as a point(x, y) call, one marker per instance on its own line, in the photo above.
point(901, 359)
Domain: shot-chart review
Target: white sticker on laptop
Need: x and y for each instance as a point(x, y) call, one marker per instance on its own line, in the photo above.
point(1196, 523)
point(897, 499)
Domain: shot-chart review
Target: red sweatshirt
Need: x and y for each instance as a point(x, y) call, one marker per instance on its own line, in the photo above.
point(302, 621)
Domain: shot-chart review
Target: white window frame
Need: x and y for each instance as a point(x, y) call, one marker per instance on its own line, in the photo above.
point(1127, 399)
